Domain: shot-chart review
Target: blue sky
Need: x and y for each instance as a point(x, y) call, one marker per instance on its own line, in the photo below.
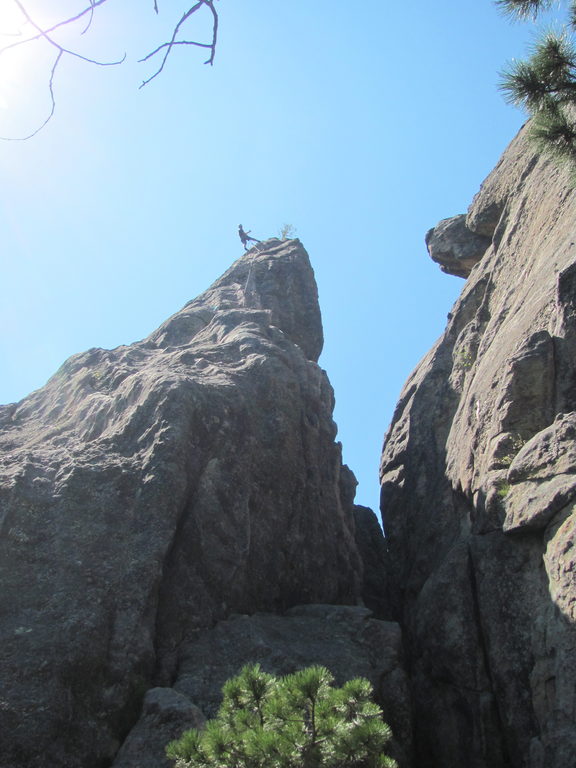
point(362, 125)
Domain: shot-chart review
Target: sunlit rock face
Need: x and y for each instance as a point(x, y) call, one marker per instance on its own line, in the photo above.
point(455, 247)
point(479, 486)
point(149, 491)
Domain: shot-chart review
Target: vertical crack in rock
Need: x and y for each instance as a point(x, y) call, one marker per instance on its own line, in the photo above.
point(502, 756)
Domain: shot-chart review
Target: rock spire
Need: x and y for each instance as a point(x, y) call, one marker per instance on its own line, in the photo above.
point(148, 491)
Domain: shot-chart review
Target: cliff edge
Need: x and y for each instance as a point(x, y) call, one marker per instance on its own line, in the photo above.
point(478, 481)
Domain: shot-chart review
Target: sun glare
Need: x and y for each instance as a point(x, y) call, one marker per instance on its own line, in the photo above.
point(12, 22)
point(17, 62)
point(12, 29)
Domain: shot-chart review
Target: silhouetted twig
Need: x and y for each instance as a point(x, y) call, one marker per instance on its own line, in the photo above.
point(46, 34)
point(52, 101)
point(167, 47)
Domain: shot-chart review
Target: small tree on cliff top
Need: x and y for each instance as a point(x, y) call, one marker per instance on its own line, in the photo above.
point(545, 84)
point(298, 721)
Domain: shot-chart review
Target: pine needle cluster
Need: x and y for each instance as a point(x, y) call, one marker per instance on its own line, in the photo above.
point(297, 721)
point(545, 83)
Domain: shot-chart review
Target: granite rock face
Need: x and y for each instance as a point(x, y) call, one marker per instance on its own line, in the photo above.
point(346, 639)
point(166, 714)
point(149, 491)
point(455, 247)
point(479, 486)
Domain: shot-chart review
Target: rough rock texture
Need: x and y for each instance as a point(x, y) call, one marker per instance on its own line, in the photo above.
point(372, 548)
point(478, 489)
point(343, 638)
point(166, 714)
point(148, 491)
point(455, 247)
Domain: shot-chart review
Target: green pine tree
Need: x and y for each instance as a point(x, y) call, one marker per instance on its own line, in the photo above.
point(298, 721)
point(545, 84)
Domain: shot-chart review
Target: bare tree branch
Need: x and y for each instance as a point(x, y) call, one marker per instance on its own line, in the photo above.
point(46, 34)
point(210, 4)
point(89, 22)
point(167, 47)
point(170, 45)
point(52, 107)
point(64, 23)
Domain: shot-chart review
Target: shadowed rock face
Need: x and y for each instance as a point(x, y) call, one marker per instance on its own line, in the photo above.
point(478, 489)
point(148, 491)
point(345, 639)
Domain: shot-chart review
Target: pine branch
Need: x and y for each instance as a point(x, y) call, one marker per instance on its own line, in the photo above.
point(549, 73)
point(545, 84)
point(522, 86)
point(524, 9)
point(554, 131)
point(554, 59)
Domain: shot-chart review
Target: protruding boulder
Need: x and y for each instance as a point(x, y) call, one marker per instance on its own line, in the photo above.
point(455, 247)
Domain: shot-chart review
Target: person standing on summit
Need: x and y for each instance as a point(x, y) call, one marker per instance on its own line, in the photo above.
point(245, 237)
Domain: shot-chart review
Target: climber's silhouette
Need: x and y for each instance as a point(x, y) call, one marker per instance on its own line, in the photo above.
point(245, 237)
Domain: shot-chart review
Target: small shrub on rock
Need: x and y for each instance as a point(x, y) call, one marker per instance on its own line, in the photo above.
point(545, 83)
point(298, 721)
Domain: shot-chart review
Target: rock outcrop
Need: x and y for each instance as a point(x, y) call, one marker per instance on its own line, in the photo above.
point(165, 506)
point(455, 247)
point(152, 490)
point(166, 715)
point(346, 639)
point(479, 487)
